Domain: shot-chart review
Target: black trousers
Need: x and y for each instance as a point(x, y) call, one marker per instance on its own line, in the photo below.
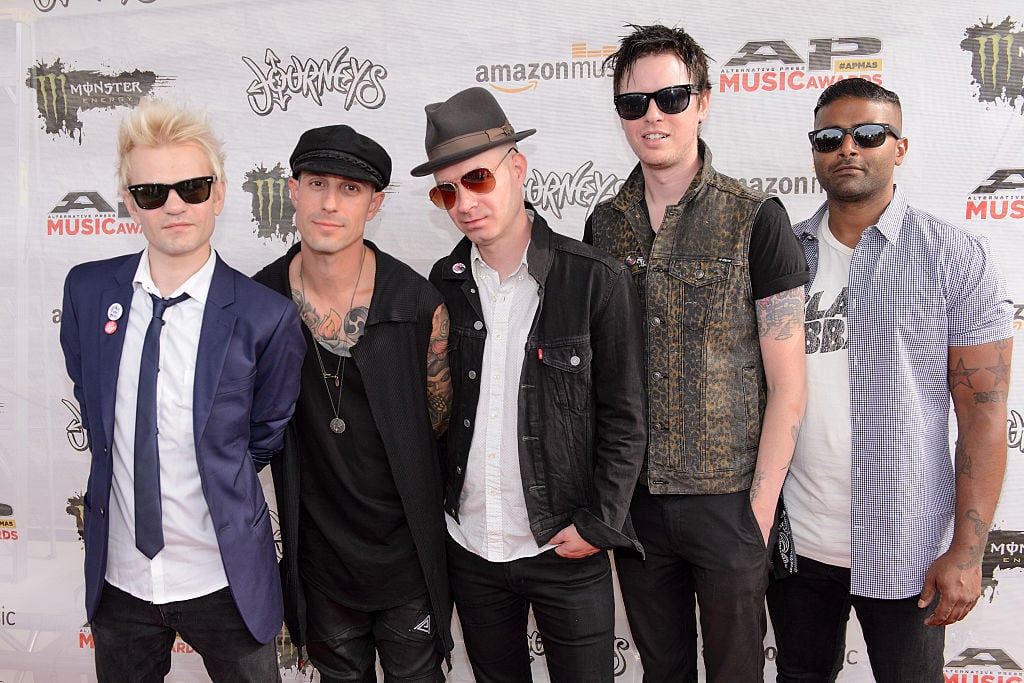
point(700, 550)
point(573, 605)
point(133, 639)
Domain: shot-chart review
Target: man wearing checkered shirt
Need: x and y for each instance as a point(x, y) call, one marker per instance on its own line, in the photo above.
point(903, 311)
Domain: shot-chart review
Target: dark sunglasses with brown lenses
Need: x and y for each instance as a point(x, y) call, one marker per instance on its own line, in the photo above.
point(479, 180)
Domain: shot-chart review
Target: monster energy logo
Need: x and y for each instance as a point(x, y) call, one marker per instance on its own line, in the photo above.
point(272, 209)
point(270, 195)
point(46, 86)
point(998, 62)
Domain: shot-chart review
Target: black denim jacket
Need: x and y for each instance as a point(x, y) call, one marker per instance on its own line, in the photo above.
point(581, 403)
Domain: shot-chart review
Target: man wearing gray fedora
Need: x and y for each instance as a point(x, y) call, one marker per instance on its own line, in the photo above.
point(547, 430)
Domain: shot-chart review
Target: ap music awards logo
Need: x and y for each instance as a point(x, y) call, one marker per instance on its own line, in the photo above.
point(276, 82)
point(8, 525)
point(1000, 196)
point(272, 208)
point(770, 65)
point(584, 63)
point(997, 62)
point(62, 94)
point(85, 213)
point(983, 665)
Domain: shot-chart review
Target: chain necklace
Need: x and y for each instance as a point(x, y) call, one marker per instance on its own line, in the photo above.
point(337, 424)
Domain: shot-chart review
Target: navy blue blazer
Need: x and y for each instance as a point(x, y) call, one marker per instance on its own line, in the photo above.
point(247, 380)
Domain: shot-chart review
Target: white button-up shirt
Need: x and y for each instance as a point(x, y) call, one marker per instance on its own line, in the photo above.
point(189, 565)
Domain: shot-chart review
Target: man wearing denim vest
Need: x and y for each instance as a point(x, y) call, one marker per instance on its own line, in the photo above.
point(720, 277)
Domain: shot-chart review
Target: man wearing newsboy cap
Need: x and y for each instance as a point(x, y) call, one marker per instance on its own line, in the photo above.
point(547, 432)
point(359, 487)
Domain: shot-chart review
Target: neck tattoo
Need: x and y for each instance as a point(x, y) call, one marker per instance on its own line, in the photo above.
point(337, 425)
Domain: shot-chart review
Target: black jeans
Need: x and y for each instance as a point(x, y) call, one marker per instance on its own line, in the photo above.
point(573, 604)
point(705, 550)
point(343, 643)
point(133, 639)
point(810, 611)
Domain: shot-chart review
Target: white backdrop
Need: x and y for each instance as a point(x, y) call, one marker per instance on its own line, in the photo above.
point(265, 70)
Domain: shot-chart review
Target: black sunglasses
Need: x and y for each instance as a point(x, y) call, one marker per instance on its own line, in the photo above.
point(671, 100)
point(154, 195)
point(864, 135)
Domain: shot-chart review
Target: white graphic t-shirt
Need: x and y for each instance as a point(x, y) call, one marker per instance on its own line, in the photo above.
point(818, 487)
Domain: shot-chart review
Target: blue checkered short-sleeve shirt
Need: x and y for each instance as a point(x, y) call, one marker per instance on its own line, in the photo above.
point(918, 285)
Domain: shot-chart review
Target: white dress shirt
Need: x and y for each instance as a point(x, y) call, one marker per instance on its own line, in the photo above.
point(189, 565)
point(493, 520)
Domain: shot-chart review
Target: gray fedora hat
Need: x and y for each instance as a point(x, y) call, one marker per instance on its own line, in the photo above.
point(464, 125)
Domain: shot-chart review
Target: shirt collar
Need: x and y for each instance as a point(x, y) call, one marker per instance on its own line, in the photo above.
point(197, 285)
point(889, 223)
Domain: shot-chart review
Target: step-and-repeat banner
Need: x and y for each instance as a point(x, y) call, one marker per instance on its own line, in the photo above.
point(265, 70)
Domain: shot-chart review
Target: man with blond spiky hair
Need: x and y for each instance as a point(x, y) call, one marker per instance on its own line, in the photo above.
point(186, 372)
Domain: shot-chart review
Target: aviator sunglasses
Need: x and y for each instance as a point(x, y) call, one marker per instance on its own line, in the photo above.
point(868, 135)
point(479, 180)
point(671, 100)
point(154, 195)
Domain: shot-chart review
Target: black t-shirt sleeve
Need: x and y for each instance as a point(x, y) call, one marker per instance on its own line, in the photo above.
point(777, 262)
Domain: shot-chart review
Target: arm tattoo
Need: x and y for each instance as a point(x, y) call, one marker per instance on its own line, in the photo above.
point(976, 551)
point(964, 462)
point(1001, 370)
point(990, 397)
point(755, 486)
point(780, 315)
point(961, 375)
point(439, 381)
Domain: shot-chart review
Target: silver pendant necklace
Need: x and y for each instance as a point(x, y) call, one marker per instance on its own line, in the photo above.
point(337, 425)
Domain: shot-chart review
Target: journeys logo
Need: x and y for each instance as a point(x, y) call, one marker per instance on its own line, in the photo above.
point(583, 62)
point(8, 525)
point(86, 212)
point(47, 5)
point(272, 208)
point(983, 665)
point(997, 62)
point(536, 645)
point(359, 80)
point(61, 94)
point(999, 197)
point(584, 187)
point(769, 65)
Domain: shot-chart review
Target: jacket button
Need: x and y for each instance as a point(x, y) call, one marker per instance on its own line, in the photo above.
point(478, 325)
point(471, 374)
point(465, 423)
point(655, 321)
point(658, 426)
point(458, 469)
point(656, 376)
point(574, 361)
point(699, 274)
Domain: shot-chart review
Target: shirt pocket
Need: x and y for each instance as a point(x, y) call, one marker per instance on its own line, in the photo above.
point(567, 374)
point(701, 281)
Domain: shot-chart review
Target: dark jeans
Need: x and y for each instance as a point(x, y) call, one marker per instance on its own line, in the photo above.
point(573, 604)
point(701, 550)
point(133, 639)
point(343, 643)
point(809, 614)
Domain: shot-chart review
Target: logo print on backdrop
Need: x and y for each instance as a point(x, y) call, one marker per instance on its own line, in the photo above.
point(1004, 553)
point(1018, 317)
point(583, 62)
point(769, 65)
point(47, 5)
point(1000, 196)
point(360, 81)
point(76, 509)
point(997, 62)
point(77, 436)
point(584, 187)
point(8, 525)
point(980, 660)
point(785, 184)
point(1015, 431)
point(86, 212)
point(272, 209)
point(61, 94)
